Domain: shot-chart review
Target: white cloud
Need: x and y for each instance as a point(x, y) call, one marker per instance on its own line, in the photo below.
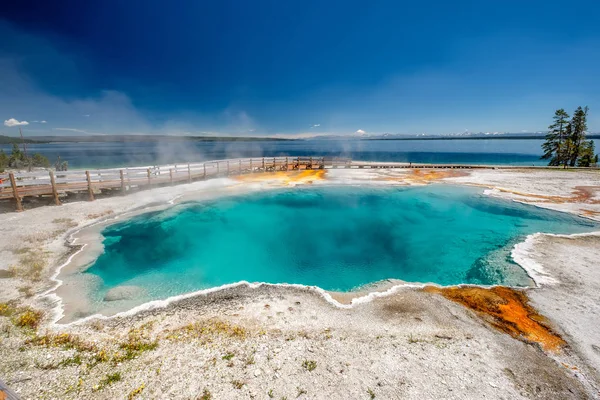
point(39, 122)
point(13, 122)
point(315, 125)
point(360, 132)
point(86, 115)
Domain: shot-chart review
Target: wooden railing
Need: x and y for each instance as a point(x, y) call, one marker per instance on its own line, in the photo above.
point(15, 186)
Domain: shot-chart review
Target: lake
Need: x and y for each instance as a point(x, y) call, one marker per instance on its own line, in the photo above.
point(465, 151)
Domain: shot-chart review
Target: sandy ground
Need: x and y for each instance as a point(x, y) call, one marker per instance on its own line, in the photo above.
point(290, 342)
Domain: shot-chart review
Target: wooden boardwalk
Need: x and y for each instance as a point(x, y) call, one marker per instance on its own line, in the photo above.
point(16, 186)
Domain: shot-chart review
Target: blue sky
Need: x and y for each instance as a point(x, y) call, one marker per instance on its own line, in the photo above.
point(295, 67)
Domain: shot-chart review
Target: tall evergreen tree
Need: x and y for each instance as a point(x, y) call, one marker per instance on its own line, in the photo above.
point(577, 136)
point(556, 147)
point(568, 146)
point(588, 157)
point(3, 160)
point(16, 157)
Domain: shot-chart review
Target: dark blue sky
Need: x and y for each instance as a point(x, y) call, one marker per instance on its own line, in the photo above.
point(291, 67)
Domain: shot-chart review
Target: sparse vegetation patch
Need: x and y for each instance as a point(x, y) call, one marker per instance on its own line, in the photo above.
point(23, 317)
point(63, 340)
point(108, 380)
point(207, 330)
point(309, 365)
point(136, 392)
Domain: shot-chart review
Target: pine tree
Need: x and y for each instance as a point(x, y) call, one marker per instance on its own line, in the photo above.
point(556, 147)
point(3, 160)
point(568, 146)
point(587, 157)
point(578, 128)
point(16, 157)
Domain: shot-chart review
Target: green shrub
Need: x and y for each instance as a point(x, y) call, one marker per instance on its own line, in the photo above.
point(39, 160)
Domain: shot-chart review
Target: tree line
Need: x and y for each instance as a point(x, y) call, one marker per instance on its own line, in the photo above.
point(566, 143)
point(18, 160)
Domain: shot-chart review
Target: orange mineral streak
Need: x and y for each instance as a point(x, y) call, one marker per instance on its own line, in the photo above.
point(285, 177)
point(590, 213)
point(506, 309)
point(435, 175)
point(424, 176)
point(580, 194)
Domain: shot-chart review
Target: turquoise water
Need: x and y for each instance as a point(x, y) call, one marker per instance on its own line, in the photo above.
point(337, 238)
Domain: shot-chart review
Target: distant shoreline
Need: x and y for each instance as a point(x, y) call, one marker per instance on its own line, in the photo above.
point(9, 140)
point(495, 137)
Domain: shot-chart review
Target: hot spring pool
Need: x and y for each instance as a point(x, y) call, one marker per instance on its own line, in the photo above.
point(337, 238)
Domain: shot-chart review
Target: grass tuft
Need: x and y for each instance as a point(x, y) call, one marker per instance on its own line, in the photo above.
point(309, 365)
point(228, 356)
point(64, 340)
point(99, 215)
point(108, 380)
point(26, 291)
point(237, 384)
point(67, 362)
point(136, 392)
point(67, 222)
point(207, 330)
point(138, 341)
point(6, 309)
point(31, 265)
point(29, 318)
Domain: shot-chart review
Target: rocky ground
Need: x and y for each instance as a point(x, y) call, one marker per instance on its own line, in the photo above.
point(289, 342)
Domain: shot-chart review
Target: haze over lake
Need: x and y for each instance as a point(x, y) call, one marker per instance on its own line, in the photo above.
point(464, 151)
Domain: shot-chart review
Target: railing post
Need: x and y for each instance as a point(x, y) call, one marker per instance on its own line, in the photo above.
point(54, 191)
point(89, 182)
point(122, 181)
point(251, 169)
point(204, 167)
point(263, 164)
point(148, 171)
point(274, 164)
point(240, 169)
point(13, 183)
point(286, 163)
point(189, 174)
point(171, 176)
point(218, 169)
point(227, 168)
